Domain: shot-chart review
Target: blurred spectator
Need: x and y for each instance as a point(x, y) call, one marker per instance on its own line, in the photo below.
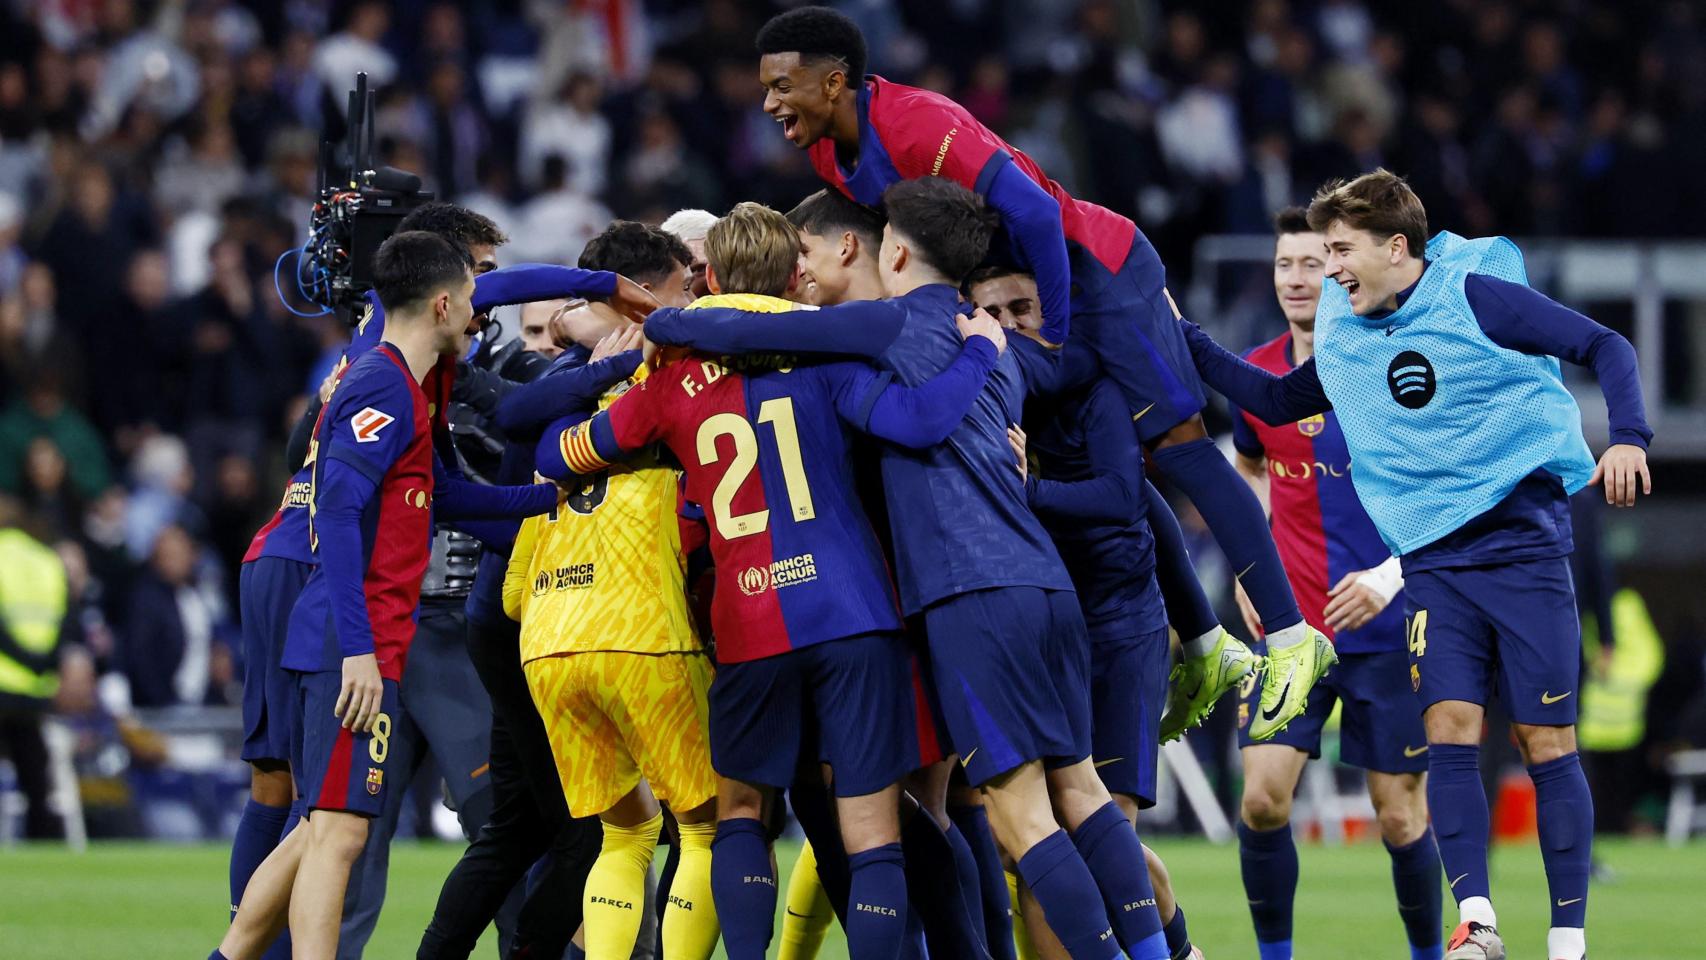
point(43, 412)
point(169, 639)
point(32, 617)
point(571, 127)
point(356, 48)
point(161, 480)
point(556, 224)
point(206, 171)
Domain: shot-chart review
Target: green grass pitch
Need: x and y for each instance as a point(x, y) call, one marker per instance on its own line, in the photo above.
point(148, 901)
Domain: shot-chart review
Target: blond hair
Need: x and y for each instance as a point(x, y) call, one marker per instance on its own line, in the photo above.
point(753, 249)
point(1379, 202)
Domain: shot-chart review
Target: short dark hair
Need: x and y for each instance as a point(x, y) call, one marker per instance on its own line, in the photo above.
point(1292, 220)
point(1379, 202)
point(829, 212)
point(993, 271)
point(455, 223)
point(945, 223)
point(413, 265)
point(817, 33)
point(642, 254)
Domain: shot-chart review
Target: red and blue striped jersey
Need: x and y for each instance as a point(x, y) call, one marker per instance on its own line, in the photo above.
point(906, 133)
point(766, 455)
point(376, 426)
point(1320, 527)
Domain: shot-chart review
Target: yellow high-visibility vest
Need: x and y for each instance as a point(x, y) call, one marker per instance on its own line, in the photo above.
point(33, 596)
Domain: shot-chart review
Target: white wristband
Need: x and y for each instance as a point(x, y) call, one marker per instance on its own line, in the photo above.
point(1386, 579)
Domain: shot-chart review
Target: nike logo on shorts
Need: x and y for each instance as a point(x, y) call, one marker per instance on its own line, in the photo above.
point(1102, 763)
point(1413, 752)
point(1548, 699)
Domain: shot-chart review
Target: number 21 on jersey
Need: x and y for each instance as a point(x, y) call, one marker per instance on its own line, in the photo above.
point(779, 414)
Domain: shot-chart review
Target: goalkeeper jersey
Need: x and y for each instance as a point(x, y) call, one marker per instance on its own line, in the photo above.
point(606, 572)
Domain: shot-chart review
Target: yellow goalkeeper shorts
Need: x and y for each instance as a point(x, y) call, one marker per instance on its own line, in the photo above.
point(616, 717)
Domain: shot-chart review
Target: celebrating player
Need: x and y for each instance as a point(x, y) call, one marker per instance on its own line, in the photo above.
point(865, 133)
point(1443, 368)
point(375, 486)
point(1346, 580)
point(807, 629)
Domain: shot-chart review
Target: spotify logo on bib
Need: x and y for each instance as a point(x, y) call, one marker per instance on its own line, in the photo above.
point(1411, 379)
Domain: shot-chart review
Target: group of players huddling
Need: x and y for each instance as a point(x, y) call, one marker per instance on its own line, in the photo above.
point(943, 586)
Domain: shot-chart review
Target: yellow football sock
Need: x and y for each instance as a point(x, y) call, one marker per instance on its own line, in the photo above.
point(806, 921)
point(615, 895)
point(1022, 945)
point(690, 927)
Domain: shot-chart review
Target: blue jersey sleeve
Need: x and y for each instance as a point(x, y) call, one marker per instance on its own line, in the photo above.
point(1244, 438)
point(1114, 492)
point(370, 422)
point(1032, 219)
point(1273, 399)
point(915, 417)
point(340, 497)
point(527, 282)
point(1520, 318)
point(454, 498)
point(530, 407)
point(862, 328)
point(1050, 373)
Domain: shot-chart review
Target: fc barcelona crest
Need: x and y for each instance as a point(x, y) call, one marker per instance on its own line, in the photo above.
point(375, 780)
point(1312, 426)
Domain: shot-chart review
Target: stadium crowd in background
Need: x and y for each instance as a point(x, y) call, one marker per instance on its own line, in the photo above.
point(156, 158)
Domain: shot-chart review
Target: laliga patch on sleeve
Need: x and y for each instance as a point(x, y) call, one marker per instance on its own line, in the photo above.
point(368, 423)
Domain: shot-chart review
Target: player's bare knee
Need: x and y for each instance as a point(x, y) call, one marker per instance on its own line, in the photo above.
point(1076, 792)
point(869, 821)
point(338, 835)
point(739, 801)
point(1128, 806)
point(1265, 807)
point(1542, 743)
point(269, 783)
point(704, 813)
point(1454, 721)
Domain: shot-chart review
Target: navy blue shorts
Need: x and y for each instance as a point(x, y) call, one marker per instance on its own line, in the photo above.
point(853, 703)
point(335, 768)
point(1126, 317)
point(1128, 691)
point(1512, 624)
point(1011, 667)
point(1380, 725)
point(267, 590)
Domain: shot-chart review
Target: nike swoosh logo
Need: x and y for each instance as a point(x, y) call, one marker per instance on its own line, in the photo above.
point(1279, 705)
point(802, 916)
point(1565, 903)
point(1454, 882)
point(1102, 763)
point(1139, 414)
point(1246, 570)
point(1413, 752)
point(1257, 903)
point(1547, 697)
point(965, 761)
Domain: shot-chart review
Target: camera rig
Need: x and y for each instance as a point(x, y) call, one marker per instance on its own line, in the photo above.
point(357, 206)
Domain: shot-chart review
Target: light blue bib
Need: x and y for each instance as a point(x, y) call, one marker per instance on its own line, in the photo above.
point(1440, 421)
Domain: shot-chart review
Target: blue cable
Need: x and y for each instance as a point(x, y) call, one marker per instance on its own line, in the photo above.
point(279, 288)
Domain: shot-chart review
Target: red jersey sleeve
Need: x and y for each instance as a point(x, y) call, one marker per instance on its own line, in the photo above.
point(927, 134)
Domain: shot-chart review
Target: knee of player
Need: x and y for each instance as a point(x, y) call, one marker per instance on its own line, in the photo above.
point(1401, 822)
point(339, 835)
point(1542, 743)
point(1264, 809)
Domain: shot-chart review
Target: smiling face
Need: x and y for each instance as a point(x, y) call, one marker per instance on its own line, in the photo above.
point(1298, 262)
point(801, 95)
point(823, 275)
point(1012, 301)
point(1371, 269)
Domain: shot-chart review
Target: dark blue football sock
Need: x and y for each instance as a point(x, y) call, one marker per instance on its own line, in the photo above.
point(1188, 609)
point(1178, 937)
point(1071, 904)
point(1564, 809)
point(258, 832)
point(973, 823)
point(1269, 862)
point(971, 891)
point(1415, 879)
point(743, 888)
point(934, 878)
point(1111, 850)
point(1459, 807)
point(876, 912)
point(216, 955)
point(812, 806)
point(1235, 517)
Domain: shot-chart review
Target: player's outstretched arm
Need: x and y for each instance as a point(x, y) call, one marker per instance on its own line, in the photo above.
point(531, 407)
point(863, 328)
point(1114, 491)
point(528, 282)
point(1273, 399)
point(457, 499)
point(925, 415)
point(1032, 218)
point(576, 445)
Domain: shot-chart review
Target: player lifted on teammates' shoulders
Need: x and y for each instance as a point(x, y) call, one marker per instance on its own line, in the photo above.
point(1096, 274)
point(1443, 348)
point(1346, 580)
